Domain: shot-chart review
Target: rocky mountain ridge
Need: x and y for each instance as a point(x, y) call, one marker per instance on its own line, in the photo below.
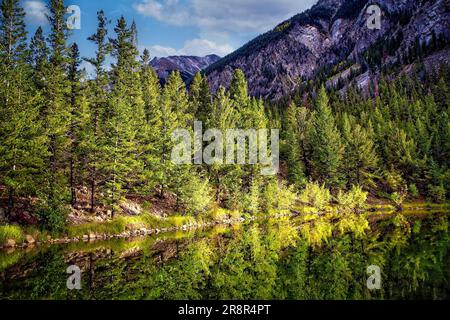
point(332, 40)
point(187, 65)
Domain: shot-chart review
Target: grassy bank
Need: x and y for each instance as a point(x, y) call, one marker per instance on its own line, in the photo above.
point(115, 226)
point(122, 223)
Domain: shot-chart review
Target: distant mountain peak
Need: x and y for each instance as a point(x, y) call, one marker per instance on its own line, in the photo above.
point(187, 65)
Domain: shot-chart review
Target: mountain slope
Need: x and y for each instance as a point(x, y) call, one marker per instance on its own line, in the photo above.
point(332, 41)
point(187, 65)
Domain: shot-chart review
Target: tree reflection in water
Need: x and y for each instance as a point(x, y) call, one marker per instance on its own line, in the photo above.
point(277, 259)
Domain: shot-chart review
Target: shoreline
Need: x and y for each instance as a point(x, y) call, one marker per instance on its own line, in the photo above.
point(129, 234)
point(93, 235)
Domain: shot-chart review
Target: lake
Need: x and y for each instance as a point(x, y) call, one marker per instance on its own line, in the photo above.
point(289, 258)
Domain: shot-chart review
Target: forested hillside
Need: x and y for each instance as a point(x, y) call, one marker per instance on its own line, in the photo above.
point(395, 143)
point(69, 143)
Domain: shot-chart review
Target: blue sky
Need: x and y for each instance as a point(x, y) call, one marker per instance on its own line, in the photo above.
point(178, 27)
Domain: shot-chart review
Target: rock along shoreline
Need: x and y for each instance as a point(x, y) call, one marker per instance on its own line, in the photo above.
point(30, 242)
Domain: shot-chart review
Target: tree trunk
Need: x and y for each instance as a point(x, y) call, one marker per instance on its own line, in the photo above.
point(52, 182)
point(10, 202)
point(93, 190)
point(73, 193)
point(305, 160)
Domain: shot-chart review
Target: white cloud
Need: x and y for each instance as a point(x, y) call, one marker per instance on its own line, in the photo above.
point(160, 51)
point(202, 47)
point(88, 68)
point(169, 11)
point(245, 16)
point(36, 12)
point(194, 47)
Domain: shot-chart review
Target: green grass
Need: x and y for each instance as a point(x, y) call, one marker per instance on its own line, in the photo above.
point(408, 206)
point(426, 205)
point(382, 208)
point(178, 221)
point(121, 223)
point(11, 232)
point(9, 259)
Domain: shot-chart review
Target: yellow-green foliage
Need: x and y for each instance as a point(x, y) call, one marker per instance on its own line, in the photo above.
point(399, 236)
point(282, 233)
point(307, 215)
point(218, 230)
point(149, 220)
point(118, 225)
point(315, 195)
point(252, 198)
point(196, 195)
point(215, 214)
point(270, 196)
point(353, 199)
point(393, 180)
point(353, 223)
point(179, 221)
point(440, 224)
point(279, 197)
point(401, 221)
point(286, 197)
point(202, 253)
point(11, 232)
point(398, 198)
point(318, 232)
point(283, 26)
point(115, 226)
point(10, 259)
point(235, 214)
point(311, 211)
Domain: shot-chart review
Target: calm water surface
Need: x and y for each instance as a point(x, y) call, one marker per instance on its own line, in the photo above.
point(279, 259)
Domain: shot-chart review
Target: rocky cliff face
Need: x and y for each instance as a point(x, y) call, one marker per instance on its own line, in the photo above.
point(333, 39)
point(187, 65)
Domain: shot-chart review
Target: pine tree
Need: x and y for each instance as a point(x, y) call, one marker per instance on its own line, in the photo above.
point(124, 118)
point(38, 58)
point(134, 34)
point(194, 93)
point(224, 178)
point(175, 115)
point(223, 115)
point(360, 157)
point(57, 115)
point(74, 77)
point(21, 139)
point(200, 97)
point(254, 116)
point(151, 92)
point(326, 144)
point(13, 34)
point(239, 90)
point(295, 143)
point(98, 100)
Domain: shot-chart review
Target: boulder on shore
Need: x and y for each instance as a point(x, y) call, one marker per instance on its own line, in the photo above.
point(29, 239)
point(9, 243)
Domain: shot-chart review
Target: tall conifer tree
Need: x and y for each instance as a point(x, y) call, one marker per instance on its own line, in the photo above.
point(326, 143)
point(22, 143)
